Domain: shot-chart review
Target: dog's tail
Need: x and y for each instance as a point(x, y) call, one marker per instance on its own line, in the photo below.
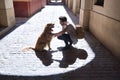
point(28, 48)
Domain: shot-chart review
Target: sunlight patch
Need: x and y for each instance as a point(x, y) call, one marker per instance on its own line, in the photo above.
point(13, 61)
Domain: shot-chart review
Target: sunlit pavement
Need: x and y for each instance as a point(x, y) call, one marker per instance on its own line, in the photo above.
point(87, 60)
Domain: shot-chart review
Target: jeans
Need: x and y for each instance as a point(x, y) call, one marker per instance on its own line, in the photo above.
point(66, 38)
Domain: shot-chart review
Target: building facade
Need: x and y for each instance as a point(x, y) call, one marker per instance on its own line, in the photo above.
point(102, 18)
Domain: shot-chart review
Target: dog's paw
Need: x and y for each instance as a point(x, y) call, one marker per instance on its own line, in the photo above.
point(49, 49)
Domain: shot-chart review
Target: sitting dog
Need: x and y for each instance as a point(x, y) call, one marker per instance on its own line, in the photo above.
point(44, 39)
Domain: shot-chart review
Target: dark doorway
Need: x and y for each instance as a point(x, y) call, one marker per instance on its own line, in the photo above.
point(58, 1)
point(55, 2)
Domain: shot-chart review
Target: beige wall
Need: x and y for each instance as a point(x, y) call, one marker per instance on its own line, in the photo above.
point(105, 25)
point(111, 9)
point(70, 4)
point(76, 7)
point(7, 16)
point(85, 13)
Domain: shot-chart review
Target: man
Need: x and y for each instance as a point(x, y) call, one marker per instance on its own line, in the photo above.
point(68, 33)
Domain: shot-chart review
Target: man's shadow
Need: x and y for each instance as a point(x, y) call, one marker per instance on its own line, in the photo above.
point(70, 55)
point(45, 56)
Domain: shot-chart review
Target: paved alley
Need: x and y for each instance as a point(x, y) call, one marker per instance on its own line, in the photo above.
point(88, 59)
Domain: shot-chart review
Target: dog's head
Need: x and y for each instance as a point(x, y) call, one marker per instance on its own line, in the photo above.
point(49, 27)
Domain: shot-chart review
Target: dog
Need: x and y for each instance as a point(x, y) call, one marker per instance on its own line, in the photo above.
point(44, 39)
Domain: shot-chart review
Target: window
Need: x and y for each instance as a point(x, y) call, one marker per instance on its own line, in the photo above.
point(99, 2)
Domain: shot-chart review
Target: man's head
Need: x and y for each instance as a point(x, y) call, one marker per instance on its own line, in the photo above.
point(63, 20)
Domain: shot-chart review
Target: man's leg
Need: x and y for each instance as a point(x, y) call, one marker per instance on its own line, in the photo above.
point(67, 40)
point(64, 38)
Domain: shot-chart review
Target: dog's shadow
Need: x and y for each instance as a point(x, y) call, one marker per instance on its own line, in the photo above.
point(45, 56)
point(70, 55)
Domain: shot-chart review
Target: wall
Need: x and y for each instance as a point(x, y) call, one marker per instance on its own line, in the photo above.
point(111, 9)
point(70, 4)
point(7, 17)
point(76, 7)
point(21, 8)
point(105, 24)
point(85, 13)
point(26, 8)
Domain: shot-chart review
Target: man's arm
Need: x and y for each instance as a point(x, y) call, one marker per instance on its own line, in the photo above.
point(61, 32)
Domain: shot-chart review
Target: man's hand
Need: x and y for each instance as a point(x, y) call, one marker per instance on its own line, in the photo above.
point(55, 34)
